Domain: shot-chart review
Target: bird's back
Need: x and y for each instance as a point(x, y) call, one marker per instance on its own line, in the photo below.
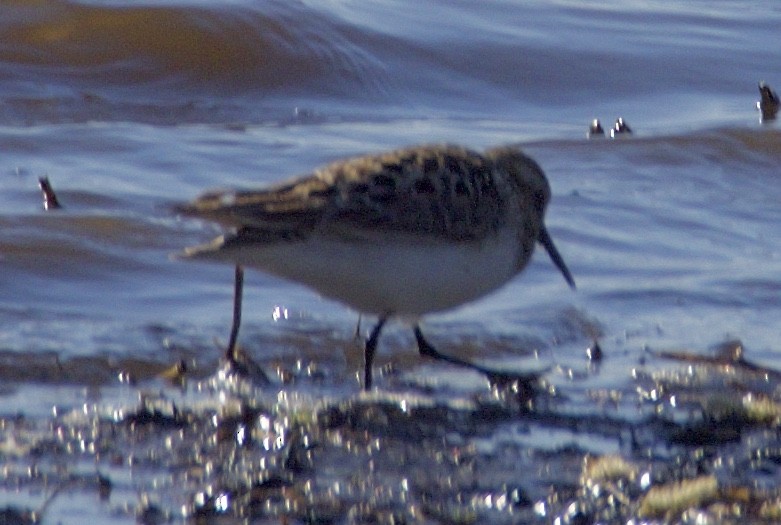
point(444, 192)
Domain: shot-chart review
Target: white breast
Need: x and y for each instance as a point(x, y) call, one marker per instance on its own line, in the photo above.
point(402, 278)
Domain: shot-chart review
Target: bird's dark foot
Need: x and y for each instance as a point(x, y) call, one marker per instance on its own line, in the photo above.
point(240, 364)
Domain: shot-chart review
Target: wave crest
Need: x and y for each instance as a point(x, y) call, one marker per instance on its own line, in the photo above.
point(285, 46)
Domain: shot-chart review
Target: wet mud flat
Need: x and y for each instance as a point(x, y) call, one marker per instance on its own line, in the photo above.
point(690, 437)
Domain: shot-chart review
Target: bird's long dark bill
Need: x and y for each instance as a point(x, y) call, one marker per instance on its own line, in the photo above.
point(547, 243)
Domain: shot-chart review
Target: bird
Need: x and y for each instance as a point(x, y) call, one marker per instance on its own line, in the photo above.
point(768, 102)
point(595, 129)
point(397, 234)
point(620, 128)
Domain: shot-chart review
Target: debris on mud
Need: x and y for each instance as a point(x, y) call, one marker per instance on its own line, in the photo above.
point(701, 442)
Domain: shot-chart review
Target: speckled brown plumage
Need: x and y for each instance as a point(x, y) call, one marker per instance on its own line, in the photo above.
point(447, 192)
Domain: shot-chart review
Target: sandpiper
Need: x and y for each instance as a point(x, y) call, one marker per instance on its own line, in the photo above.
point(768, 103)
point(397, 234)
point(620, 128)
point(595, 130)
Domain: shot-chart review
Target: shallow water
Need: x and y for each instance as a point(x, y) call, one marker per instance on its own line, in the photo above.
point(128, 108)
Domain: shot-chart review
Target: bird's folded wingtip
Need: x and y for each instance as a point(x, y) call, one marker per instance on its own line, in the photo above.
point(200, 251)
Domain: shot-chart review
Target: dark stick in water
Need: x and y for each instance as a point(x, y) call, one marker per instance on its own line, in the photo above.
point(50, 201)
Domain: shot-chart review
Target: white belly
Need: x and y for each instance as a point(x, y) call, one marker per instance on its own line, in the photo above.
point(392, 278)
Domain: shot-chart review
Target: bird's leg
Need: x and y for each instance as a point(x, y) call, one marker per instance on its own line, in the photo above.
point(238, 289)
point(239, 362)
point(427, 350)
point(369, 351)
point(358, 327)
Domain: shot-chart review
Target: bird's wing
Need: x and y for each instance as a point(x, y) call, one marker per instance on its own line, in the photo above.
point(442, 191)
point(296, 206)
